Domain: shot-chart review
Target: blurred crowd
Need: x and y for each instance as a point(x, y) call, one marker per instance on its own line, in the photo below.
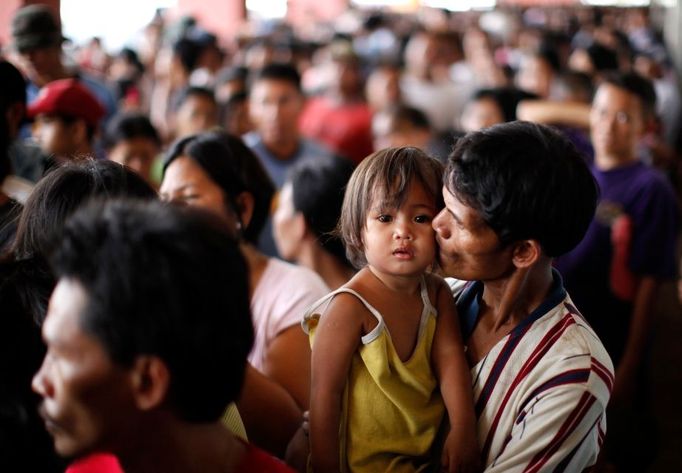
point(296, 111)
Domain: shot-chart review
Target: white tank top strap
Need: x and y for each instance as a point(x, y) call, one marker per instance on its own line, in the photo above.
point(428, 307)
point(327, 299)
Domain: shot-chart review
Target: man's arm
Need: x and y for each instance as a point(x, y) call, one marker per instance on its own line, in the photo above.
point(555, 113)
point(563, 426)
point(638, 334)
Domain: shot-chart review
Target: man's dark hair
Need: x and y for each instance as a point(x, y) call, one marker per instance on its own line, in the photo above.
point(318, 187)
point(404, 114)
point(234, 168)
point(506, 98)
point(280, 71)
point(188, 53)
point(165, 281)
point(13, 88)
point(602, 57)
point(527, 181)
point(637, 85)
point(193, 91)
point(232, 73)
point(128, 126)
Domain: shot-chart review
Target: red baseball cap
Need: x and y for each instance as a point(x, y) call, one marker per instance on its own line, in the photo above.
point(67, 97)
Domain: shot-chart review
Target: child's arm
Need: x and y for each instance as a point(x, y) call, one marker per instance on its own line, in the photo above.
point(336, 339)
point(460, 452)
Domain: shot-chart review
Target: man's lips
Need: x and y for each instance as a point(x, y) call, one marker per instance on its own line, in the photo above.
point(50, 425)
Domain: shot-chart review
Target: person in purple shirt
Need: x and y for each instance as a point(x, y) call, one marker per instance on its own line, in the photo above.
point(613, 275)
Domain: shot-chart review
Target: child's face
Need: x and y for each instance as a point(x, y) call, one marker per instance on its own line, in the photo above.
point(401, 242)
point(54, 136)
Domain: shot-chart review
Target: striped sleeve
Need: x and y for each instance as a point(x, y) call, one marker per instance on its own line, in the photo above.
point(560, 424)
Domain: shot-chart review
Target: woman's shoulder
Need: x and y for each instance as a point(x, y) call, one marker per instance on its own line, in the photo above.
point(287, 275)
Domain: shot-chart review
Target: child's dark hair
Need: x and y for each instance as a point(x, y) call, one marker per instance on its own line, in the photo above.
point(385, 175)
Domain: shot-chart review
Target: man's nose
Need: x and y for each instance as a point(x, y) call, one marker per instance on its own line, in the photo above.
point(438, 225)
point(41, 383)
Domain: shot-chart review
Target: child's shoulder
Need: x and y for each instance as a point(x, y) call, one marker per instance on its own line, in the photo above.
point(435, 284)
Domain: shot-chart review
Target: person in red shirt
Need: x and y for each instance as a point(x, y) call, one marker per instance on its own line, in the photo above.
point(341, 118)
point(147, 334)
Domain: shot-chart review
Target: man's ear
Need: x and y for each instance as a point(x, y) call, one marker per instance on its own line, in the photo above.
point(150, 381)
point(245, 203)
point(526, 253)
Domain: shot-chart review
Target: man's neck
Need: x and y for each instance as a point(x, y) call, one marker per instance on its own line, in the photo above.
point(59, 73)
point(283, 150)
point(607, 162)
point(330, 269)
point(514, 298)
point(182, 447)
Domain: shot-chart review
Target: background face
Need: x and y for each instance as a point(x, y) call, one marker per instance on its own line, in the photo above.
point(195, 115)
point(185, 182)
point(137, 153)
point(54, 136)
point(616, 123)
point(85, 395)
point(275, 106)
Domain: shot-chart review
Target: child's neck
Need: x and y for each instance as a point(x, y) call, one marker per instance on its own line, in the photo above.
point(401, 284)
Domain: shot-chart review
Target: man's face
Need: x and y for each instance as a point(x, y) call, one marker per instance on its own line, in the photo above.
point(138, 153)
point(55, 136)
point(616, 123)
point(85, 395)
point(469, 248)
point(275, 106)
point(481, 113)
point(195, 115)
point(42, 63)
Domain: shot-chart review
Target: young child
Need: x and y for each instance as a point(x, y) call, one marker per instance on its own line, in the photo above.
point(384, 343)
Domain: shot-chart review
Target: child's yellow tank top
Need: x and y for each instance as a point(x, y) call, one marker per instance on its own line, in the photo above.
point(392, 410)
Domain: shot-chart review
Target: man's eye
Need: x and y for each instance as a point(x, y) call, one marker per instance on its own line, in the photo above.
point(384, 218)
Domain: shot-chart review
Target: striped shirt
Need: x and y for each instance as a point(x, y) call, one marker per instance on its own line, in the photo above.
point(541, 392)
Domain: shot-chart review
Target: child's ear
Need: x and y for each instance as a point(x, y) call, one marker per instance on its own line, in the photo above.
point(526, 253)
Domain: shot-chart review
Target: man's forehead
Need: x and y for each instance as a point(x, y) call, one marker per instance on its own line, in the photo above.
point(460, 208)
point(67, 303)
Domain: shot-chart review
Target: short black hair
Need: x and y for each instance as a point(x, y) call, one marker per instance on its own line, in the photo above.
point(400, 114)
point(13, 85)
point(637, 85)
point(603, 58)
point(528, 181)
point(193, 91)
point(188, 53)
point(279, 71)
point(13, 88)
point(318, 186)
point(165, 281)
point(232, 73)
point(234, 168)
point(506, 98)
point(128, 126)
